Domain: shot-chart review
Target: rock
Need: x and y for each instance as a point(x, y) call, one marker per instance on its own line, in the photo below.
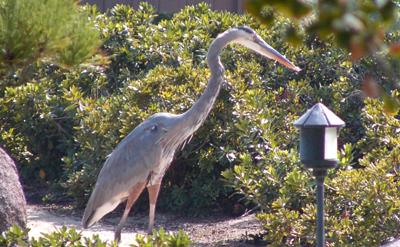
point(12, 198)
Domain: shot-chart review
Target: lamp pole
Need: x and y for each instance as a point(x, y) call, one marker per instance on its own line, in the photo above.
point(320, 211)
point(318, 151)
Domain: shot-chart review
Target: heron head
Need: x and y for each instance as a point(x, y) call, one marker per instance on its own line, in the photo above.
point(247, 37)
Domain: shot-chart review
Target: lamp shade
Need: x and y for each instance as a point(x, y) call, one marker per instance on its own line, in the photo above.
point(319, 116)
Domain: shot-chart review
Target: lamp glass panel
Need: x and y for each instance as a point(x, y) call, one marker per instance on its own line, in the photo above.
point(330, 145)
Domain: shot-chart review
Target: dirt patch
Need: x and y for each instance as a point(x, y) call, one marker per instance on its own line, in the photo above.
point(215, 230)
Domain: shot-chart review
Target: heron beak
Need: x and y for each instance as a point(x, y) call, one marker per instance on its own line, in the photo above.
point(266, 50)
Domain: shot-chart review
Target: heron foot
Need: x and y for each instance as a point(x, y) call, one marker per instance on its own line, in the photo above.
point(117, 236)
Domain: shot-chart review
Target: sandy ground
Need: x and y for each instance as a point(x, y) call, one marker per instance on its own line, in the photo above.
point(393, 244)
point(210, 231)
point(42, 221)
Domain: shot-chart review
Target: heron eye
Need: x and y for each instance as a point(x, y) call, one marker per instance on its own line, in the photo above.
point(255, 39)
point(152, 128)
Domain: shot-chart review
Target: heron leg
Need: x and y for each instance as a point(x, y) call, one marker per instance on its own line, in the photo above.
point(134, 193)
point(153, 194)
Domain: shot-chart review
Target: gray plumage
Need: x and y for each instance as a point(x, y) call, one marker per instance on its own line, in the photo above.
point(142, 158)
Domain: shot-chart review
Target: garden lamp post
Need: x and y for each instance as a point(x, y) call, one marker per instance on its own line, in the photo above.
point(319, 128)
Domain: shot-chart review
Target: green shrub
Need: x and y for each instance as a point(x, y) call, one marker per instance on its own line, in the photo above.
point(361, 204)
point(60, 238)
point(64, 237)
point(362, 200)
point(35, 129)
point(176, 239)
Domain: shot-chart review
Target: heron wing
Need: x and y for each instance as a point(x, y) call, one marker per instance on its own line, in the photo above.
point(130, 163)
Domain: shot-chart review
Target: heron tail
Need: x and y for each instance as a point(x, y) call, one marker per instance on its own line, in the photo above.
point(87, 221)
point(91, 216)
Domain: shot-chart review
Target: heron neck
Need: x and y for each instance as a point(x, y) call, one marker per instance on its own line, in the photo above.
point(196, 115)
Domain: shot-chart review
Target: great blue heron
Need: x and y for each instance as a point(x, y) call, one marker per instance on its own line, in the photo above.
point(142, 158)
